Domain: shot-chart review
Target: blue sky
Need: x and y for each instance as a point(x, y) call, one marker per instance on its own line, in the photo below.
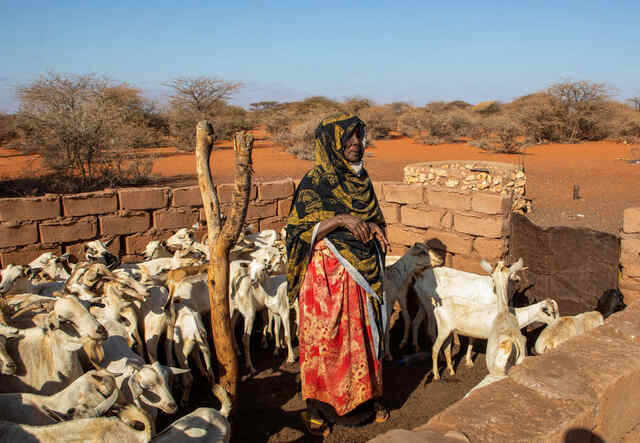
point(415, 51)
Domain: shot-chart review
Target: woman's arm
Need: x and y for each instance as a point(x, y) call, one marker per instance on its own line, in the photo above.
point(358, 227)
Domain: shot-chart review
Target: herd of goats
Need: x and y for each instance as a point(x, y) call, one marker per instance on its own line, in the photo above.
point(79, 342)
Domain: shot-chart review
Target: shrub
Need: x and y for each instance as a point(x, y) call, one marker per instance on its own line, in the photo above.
point(80, 124)
point(380, 121)
point(8, 128)
point(502, 134)
point(486, 108)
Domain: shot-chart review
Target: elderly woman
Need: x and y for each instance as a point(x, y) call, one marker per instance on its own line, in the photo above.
point(336, 245)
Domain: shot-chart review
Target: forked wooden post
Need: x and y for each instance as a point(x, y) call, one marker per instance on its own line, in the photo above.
point(222, 236)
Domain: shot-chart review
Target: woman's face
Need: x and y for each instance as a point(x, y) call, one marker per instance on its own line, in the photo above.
point(354, 148)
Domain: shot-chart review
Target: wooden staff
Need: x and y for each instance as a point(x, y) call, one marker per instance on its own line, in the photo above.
point(222, 236)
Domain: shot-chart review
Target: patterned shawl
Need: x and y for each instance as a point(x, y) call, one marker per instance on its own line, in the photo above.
point(329, 189)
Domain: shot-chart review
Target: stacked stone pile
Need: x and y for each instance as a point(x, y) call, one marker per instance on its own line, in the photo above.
point(494, 177)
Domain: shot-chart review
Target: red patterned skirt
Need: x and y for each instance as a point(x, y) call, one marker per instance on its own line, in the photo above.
point(337, 361)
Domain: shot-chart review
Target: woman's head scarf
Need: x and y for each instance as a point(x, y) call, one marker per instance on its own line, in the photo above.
point(329, 189)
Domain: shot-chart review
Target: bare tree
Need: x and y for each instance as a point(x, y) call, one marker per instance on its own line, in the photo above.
point(80, 123)
point(635, 101)
point(198, 98)
point(202, 94)
point(222, 236)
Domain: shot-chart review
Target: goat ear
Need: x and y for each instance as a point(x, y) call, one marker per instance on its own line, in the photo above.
point(135, 386)
point(28, 271)
point(517, 266)
point(486, 266)
point(177, 371)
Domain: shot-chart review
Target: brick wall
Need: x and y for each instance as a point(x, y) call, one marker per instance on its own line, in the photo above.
point(630, 254)
point(132, 216)
point(469, 225)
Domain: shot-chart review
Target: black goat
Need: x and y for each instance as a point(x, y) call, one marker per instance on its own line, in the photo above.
point(611, 301)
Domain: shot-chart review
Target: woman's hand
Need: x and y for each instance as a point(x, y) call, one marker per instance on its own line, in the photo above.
point(358, 227)
point(378, 233)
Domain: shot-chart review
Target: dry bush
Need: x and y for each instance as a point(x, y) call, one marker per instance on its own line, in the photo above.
point(380, 121)
point(302, 138)
point(8, 128)
point(487, 108)
point(80, 125)
point(413, 122)
point(445, 127)
point(503, 134)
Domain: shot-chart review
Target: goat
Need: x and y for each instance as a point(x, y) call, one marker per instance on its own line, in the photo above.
point(453, 313)
point(252, 291)
point(144, 385)
point(121, 429)
point(397, 279)
point(19, 279)
point(96, 252)
point(52, 267)
point(204, 425)
point(7, 365)
point(564, 328)
point(91, 395)
point(156, 249)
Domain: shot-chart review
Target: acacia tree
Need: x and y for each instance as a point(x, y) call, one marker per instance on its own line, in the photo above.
point(202, 98)
point(635, 101)
point(80, 124)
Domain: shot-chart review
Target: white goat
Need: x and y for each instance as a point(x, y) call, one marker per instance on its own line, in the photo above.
point(463, 315)
point(397, 279)
point(19, 279)
point(52, 267)
point(252, 291)
point(7, 365)
point(204, 425)
point(96, 252)
point(91, 395)
point(564, 328)
point(122, 429)
point(156, 249)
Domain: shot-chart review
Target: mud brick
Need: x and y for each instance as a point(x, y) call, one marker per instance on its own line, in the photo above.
point(490, 248)
point(453, 242)
point(401, 193)
point(448, 200)
point(18, 234)
point(276, 223)
point(256, 210)
point(187, 196)
point(391, 212)
point(491, 203)
point(421, 218)
point(175, 218)
point(143, 198)
point(225, 192)
point(631, 220)
point(36, 208)
point(630, 247)
point(403, 235)
point(124, 222)
point(89, 203)
point(67, 230)
point(494, 227)
point(26, 255)
point(284, 206)
point(275, 189)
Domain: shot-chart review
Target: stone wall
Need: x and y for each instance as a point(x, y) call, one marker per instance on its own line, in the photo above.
point(630, 254)
point(466, 175)
point(131, 216)
point(469, 225)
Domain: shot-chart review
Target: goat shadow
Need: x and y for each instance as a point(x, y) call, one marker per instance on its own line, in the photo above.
point(581, 435)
